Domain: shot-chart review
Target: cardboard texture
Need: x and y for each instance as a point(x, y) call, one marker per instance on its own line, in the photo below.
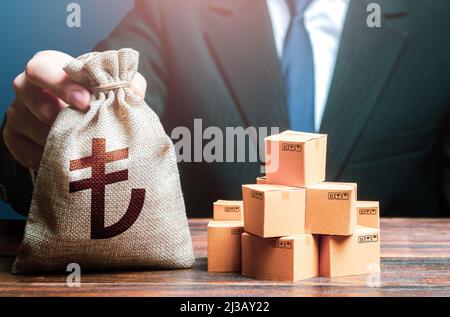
point(261, 180)
point(282, 259)
point(224, 246)
point(368, 214)
point(228, 210)
point(331, 208)
point(353, 255)
point(295, 158)
point(274, 210)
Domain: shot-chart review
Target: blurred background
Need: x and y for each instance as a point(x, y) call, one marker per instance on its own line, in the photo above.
point(31, 26)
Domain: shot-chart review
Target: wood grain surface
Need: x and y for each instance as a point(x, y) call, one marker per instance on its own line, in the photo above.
point(415, 262)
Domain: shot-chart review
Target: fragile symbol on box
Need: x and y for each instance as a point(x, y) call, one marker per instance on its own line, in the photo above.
point(237, 231)
point(257, 195)
point(281, 244)
point(232, 209)
point(291, 147)
point(367, 211)
point(368, 238)
point(338, 196)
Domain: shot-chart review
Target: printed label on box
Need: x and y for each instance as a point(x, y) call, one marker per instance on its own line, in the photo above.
point(237, 231)
point(368, 238)
point(257, 195)
point(338, 196)
point(367, 211)
point(232, 209)
point(281, 244)
point(291, 147)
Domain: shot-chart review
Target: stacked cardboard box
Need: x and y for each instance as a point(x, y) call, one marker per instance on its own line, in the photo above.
point(224, 236)
point(296, 225)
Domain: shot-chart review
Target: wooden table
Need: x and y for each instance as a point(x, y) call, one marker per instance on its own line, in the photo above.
point(415, 261)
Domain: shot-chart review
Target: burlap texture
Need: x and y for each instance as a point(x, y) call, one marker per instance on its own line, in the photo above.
point(138, 157)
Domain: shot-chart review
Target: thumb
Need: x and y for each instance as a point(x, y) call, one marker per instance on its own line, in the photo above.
point(139, 85)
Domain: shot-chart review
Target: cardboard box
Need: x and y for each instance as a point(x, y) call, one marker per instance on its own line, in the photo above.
point(228, 210)
point(353, 255)
point(331, 208)
point(261, 180)
point(368, 214)
point(224, 246)
point(274, 210)
point(283, 259)
point(295, 158)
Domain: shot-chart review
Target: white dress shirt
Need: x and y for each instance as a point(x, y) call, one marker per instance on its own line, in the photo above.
point(324, 20)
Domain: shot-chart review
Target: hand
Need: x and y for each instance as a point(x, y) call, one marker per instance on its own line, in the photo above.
point(42, 91)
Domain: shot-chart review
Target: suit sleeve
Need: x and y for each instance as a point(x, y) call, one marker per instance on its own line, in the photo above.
point(15, 180)
point(142, 30)
point(446, 170)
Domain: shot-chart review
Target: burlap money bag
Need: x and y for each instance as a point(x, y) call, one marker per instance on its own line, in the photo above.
point(107, 193)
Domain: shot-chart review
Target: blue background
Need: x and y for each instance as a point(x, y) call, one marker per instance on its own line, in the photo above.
point(31, 26)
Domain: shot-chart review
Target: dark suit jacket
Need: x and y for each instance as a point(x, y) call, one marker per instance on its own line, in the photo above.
point(387, 116)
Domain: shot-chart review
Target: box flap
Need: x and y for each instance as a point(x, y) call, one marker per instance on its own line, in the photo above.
point(365, 230)
point(269, 187)
point(228, 224)
point(227, 202)
point(367, 204)
point(334, 186)
point(294, 136)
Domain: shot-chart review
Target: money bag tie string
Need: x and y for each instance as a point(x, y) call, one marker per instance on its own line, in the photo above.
point(112, 86)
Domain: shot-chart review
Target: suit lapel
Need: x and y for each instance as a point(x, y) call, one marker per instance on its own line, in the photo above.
point(365, 60)
point(239, 36)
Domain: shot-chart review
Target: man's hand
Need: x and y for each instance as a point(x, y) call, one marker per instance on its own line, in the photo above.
point(42, 91)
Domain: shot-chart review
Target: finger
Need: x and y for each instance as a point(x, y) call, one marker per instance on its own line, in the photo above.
point(139, 85)
point(43, 105)
point(23, 150)
point(21, 121)
point(45, 70)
